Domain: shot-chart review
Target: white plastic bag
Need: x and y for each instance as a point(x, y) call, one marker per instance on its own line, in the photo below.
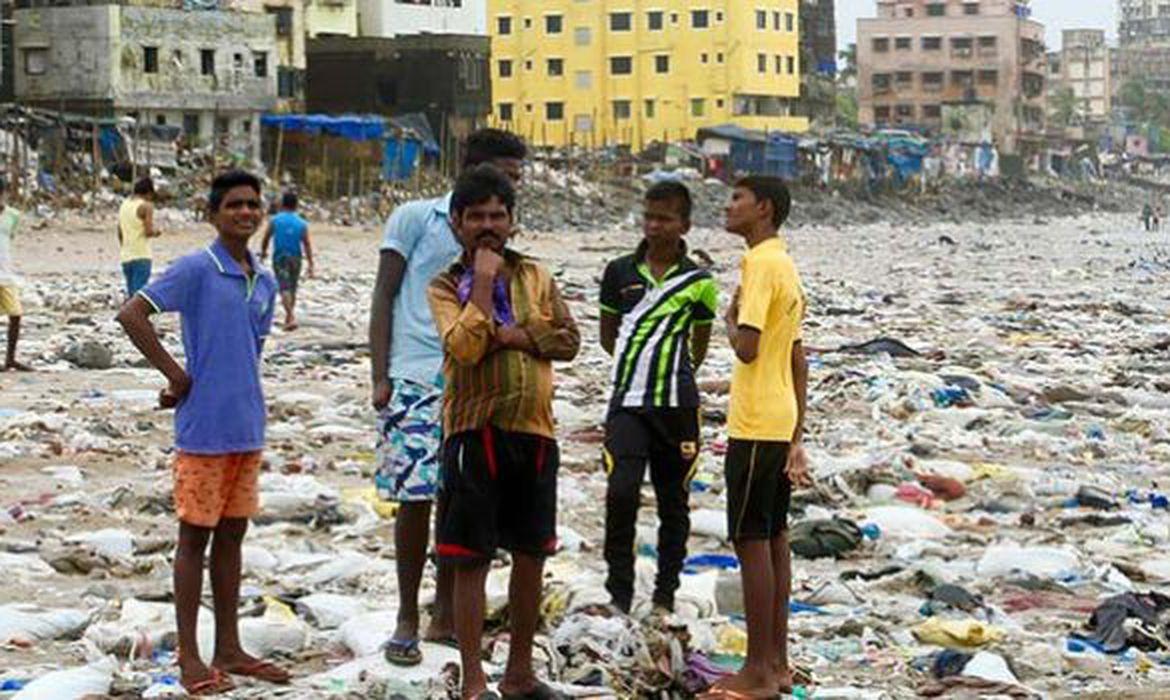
point(72, 683)
point(29, 624)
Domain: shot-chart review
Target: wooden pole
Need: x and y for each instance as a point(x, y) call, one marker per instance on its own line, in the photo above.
point(97, 165)
point(279, 153)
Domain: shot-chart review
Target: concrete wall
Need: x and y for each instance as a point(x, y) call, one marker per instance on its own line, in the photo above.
point(387, 18)
point(73, 49)
point(331, 18)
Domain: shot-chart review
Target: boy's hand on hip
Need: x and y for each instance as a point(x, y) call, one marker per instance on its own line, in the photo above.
point(176, 389)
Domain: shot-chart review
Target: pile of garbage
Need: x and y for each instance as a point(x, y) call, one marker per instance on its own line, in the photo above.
point(989, 428)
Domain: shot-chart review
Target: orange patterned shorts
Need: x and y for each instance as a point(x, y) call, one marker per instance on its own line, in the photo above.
point(211, 487)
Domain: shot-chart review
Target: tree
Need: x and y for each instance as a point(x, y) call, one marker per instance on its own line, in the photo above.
point(847, 109)
point(1134, 96)
point(848, 69)
point(1065, 107)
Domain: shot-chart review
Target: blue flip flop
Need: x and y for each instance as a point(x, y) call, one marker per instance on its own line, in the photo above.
point(402, 652)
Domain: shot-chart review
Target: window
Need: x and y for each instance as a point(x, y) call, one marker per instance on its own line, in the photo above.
point(988, 46)
point(904, 78)
point(505, 68)
point(506, 111)
point(284, 20)
point(621, 65)
point(583, 80)
point(246, 126)
point(207, 61)
point(698, 107)
point(621, 109)
point(654, 21)
point(776, 21)
point(288, 81)
point(761, 19)
point(700, 19)
point(160, 119)
point(719, 103)
point(989, 77)
point(962, 78)
point(554, 111)
point(789, 22)
point(528, 23)
point(222, 125)
point(932, 82)
point(260, 64)
point(791, 65)
point(703, 58)
point(970, 8)
point(881, 82)
point(779, 64)
point(719, 57)
point(620, 22)
point(503, 26)
point(190, 125)
point(582, 36)
point(903, 43)
point(931, 112)
point(762, 63)
point(528, 65)
point(936, 9)
point(149, 59)
point(932, 43)
point(718, 16)
point(648, 109)
point(881, 114)
point(554, 24)
point(881, 45)
point(662, 64)
point(556, 67)
point(904, 111)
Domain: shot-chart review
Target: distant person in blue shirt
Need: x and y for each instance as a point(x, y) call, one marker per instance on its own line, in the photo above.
point(406, 361)
point(290, 236)
point(225, 303)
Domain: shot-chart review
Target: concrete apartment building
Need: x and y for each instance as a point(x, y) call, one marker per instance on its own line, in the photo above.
point(389, 18)
point(918, 57)
point(1084, 66)
point(212, 73)
point(324, 18)
point(1143, 52)
point(621, 73)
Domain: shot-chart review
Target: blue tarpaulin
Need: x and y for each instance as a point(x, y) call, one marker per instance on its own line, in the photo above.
point(353, 127)
point(780, 156)
point(399, 159)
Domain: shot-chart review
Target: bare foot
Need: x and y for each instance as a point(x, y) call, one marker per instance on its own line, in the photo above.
point(291, 326)
point(748, 683)
point(439, 633)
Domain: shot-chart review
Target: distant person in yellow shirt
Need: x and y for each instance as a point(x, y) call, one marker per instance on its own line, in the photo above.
point(135, 229)
point(9, 282)
point(765, 422)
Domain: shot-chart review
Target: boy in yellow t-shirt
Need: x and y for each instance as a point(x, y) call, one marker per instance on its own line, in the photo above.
point(765, 458)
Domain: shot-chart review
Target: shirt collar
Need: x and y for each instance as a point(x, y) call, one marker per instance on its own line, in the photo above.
point(443, 204)
point(225, 263)
point(643, 246)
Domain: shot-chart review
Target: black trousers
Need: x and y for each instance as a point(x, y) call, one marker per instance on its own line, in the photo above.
point(666, 439)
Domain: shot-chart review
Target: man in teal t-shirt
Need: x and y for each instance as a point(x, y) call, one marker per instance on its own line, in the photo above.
point(290, 236)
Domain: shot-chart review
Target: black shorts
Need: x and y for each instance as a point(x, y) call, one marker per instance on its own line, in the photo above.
point(497, 489)
point(669, 436)
point(758, 490)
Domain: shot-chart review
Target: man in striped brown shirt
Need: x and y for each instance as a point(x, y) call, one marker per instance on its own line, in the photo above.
point(502, 323)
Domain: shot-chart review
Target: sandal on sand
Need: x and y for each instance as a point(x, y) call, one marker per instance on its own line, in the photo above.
point(541, 691)
point(214, 684)
point(262, 670)
point(402, 652)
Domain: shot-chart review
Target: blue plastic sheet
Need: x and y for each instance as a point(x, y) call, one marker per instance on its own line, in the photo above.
point(353, 127)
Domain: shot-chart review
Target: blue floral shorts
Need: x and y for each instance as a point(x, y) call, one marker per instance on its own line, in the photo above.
point(410, 439)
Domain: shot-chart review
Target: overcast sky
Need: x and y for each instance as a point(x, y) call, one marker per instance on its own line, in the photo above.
point(1054, 14)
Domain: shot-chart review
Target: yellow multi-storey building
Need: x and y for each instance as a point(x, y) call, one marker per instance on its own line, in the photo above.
point(628, 72)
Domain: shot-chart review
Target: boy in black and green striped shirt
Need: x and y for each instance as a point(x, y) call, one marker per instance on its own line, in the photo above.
point(657, 307)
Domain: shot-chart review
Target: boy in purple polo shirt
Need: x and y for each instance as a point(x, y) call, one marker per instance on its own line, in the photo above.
point(225, 303)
